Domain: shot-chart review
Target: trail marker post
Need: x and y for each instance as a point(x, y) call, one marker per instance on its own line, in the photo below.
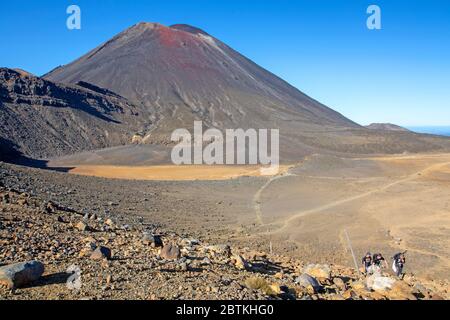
point(351, 250)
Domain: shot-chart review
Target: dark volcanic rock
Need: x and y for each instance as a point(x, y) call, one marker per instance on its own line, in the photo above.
point(41, 118)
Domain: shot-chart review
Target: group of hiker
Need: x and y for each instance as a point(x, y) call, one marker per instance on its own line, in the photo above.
point(375, 263)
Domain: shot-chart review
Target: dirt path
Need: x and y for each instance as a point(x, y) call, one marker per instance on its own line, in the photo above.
point(285, 223)
point(257, 196)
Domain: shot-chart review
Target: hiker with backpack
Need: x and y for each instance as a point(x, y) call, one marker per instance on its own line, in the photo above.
point(399, 261)
point(379, 261)
point(367, 262)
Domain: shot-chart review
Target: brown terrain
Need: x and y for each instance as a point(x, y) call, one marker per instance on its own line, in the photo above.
point(115, 232)
point(89, 183)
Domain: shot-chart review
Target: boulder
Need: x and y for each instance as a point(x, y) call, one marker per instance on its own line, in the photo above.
point(170, 252)
point(318, 271)
point(379, 283)
point(20, 274)
point(101, 253)
point(305, 281)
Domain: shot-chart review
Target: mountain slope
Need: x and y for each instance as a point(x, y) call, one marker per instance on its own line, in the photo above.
point(40, 118)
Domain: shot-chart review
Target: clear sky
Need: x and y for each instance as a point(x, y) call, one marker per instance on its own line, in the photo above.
point(400, 74)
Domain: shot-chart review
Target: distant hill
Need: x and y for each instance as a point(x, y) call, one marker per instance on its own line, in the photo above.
point(386, 127)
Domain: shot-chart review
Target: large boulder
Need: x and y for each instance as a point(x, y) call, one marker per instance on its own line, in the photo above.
point(20, 274)
point(377, 282)
point(318, 271)
point(305, 281)
point(390, 288)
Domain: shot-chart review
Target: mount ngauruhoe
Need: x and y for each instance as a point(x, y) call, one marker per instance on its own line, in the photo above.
point(168, 77)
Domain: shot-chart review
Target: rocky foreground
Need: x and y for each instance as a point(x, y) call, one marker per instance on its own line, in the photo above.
point(49, 251)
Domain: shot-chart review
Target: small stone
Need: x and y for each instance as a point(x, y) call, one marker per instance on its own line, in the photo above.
point(418, 288)
point(240, 263)
point(101, 253)
point(170, 252)
point(82, 226)
point(189, 242)
point(153, 240)
point(339, 283)
point(184, 266)
point(91, 246)
point(279, 275)
point(222, 249)
point(276, 288)
point(109, 222)
point(349, 294)
point(358, 285)
point(85, 252)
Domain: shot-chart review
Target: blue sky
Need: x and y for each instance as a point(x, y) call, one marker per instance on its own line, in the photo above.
point(400, 74)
